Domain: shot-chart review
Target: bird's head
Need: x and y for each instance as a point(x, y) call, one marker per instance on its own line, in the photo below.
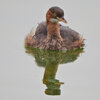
point(55, 14)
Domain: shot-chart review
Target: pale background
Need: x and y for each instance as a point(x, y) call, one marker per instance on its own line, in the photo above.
point(20, 78)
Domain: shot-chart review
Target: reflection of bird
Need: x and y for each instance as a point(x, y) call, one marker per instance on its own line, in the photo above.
point(50, 60)
point(51, 35)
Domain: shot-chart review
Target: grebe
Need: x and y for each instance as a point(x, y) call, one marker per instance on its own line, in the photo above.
point(53, 36)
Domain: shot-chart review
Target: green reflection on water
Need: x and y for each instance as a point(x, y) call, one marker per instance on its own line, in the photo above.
point(50, 60)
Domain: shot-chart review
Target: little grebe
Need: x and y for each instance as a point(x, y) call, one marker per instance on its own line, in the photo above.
point(53, 36)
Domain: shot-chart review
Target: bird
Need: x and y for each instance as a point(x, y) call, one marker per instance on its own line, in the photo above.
point(51, 35)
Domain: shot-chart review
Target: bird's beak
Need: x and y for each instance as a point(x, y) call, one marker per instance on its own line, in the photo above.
point(62, 19)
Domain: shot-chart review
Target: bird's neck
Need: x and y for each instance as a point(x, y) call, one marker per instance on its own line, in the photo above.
point(53, 28)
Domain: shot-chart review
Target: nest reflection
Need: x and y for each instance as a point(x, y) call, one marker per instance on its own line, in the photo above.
point(50, 60)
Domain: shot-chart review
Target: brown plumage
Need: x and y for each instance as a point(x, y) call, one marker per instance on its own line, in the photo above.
point(51, 35)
